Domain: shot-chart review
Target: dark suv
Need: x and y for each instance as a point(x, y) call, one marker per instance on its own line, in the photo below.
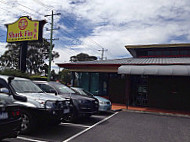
point(10, 119)
point(82, 105)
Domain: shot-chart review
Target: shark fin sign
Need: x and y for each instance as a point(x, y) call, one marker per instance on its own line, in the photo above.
point(25, 29)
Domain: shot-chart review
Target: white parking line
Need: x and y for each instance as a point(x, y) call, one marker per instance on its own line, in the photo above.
point(28, 139)
point(72, 124)
point(80, 133)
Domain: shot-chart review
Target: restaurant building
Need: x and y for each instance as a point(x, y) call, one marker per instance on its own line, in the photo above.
point(155, 76)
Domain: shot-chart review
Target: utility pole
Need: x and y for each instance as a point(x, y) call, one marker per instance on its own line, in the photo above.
point(51, 43)
point(102, 55)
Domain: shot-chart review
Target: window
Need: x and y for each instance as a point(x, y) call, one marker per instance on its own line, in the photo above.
point(167, 53)
point(46, 88)
point(175, 52)
point(25, 86)
point(94, 84)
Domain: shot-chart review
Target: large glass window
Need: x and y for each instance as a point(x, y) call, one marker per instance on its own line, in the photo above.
point(104, 77)
point(83, 79)
point(94, 84)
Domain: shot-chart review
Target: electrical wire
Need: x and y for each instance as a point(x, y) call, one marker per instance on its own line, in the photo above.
point(67, 21)
point(88, 39)
point(44, 5)
point(29, 8)
point(16, 8)
point(79, 40)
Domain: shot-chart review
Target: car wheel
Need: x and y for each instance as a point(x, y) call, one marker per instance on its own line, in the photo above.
point(55, 122)
point(71, 117)
point(28, 122)
point(87, 115)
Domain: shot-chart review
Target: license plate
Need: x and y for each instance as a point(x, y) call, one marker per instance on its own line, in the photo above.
point(66, 111)
point(3, 115)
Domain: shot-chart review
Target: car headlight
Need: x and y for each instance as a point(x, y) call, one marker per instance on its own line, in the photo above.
point(101, 102)
point(49, 104)
point(67, 102)
point(96, 102)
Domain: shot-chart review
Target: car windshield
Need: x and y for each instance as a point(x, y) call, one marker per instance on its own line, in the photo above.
point(63, 89)
point(82, 92)
point(25, 86)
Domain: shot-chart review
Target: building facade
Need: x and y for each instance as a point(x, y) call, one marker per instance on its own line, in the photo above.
point(156, 76)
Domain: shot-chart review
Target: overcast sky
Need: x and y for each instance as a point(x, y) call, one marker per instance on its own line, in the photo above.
point(89, 25)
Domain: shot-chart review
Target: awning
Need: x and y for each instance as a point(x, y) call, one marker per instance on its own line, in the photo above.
point(175, 70)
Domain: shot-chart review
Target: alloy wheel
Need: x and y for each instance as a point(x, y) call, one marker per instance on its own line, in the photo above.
point(25, 122)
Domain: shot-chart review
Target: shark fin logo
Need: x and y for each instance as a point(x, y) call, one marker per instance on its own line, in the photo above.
point(22, 24)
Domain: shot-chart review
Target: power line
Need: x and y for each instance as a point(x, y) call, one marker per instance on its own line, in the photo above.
point(78, 40)
point(69, 23)
point(89, 39)
point(44, 5)
point(15, 8)
point(30, 8)
point(82, 41)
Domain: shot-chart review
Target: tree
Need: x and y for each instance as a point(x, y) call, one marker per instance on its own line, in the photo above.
point(10, 58)
point(37, 53)
point(13, 72)
point(65, 76)
point(82, 57)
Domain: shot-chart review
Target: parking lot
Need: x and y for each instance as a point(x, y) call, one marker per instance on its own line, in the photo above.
point(118, 126)
point(63, 132)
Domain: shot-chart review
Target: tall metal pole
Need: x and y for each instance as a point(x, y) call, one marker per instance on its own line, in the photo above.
point(102, 55)
point(50, 48)
point(51, 44)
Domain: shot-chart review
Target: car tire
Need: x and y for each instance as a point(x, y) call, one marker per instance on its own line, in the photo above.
point(71, 117)
point(28, 122)
point(87, 115)
point(54, 122)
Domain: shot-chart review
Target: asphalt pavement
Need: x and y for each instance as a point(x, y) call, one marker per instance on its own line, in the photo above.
point(139, 127)
point(121, 126)
point(61, 132)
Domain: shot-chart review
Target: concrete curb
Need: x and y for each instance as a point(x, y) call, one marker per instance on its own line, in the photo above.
point(158, 113)
point(117, 110)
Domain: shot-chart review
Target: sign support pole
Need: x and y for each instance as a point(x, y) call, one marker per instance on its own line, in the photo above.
point(23, 55)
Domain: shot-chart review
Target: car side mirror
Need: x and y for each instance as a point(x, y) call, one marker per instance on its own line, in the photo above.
point(20, 98)
point(4, 90)
point(16, 97)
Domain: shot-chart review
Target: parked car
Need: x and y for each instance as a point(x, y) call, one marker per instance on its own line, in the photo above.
point(104, 104)
point(82, 105)
point(10, 119)
point(39, 107)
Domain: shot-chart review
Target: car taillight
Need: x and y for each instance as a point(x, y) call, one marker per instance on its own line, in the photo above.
point(16, 113)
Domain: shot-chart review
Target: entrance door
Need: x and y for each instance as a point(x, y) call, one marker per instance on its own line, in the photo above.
point(139, 95)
